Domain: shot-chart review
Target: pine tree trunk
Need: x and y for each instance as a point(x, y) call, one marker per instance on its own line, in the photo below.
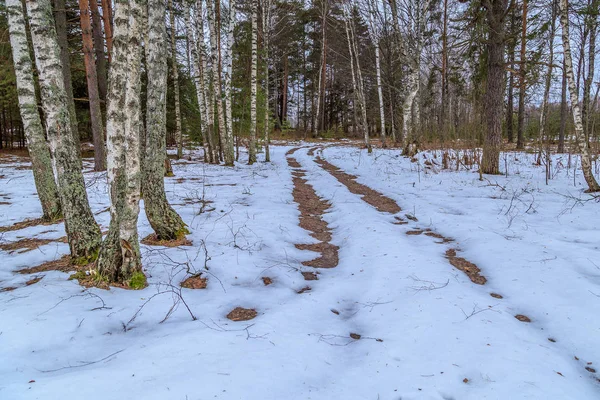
point(375, 39)
point(522, 83)
point(83, 233)
point(164, 220)
point(119, 259)
point(101, 70)
point(108, 25)
point(586, 162)
point(32, 125)
point(92, 84)
point(548, 80)
point(592, 22)
point(175, 75)
point(494, 96)
point(60, 19)
point(253, 84)
point(563, 110)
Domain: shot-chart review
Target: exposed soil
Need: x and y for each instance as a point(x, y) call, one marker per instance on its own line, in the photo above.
point(438, 236)
point(267, 281)
point(63, 264)
point(5, 203)
point(152, 240)
point(415, 232)
point(310, 276)
point(522, 318)
point(400, 221)
point(28, 223)
point(496, 295)
point(355, 336)
point(472, 270)
point(242, 314)
point(304, 290)
point(33, 280)
point(7, 289)
point(24, 245)
point(194, 282)
point(368, 195)
point(312, 208)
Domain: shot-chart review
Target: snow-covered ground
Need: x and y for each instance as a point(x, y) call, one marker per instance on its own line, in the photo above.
point(427, 331)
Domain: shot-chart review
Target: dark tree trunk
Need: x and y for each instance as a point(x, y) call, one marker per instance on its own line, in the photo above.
point(101, 69)
point(563, 111)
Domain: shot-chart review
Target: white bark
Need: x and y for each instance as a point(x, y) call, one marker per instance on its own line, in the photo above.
point(586, 163)
point(267, 33)
point(253, 84)
point(228, 69)
point(32, 124)
point(175, 75)
point(82, 231)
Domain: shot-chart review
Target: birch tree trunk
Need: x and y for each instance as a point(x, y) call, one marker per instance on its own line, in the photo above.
point(592, 22)
point(32, 125)
point(586, 162)
point(266, 32)
point(208, 112)
point(83, 234)
point(253, 84)
point(226, 146)
point(164, 220)
point(92, 84)
point(119, 259)
point(175, 75)
point(228, 75)
point(375, 39)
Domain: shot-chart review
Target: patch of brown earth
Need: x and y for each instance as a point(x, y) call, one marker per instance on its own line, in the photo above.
point(355, 336)
point(368, 195)
point(522, 318)
point(242, 314)
point(7, 289)
point(496, 295)
point(33, 280)
point(400, 221)
point(28, 223)
point(310, 276)
point(63, 264)
point(5, 203)
point(304, 290)
point(312, 208)
point(438, 236)
point(472, 270)
point(415, 232)
point(267, 281)
point(311, 151)
point(292, 151)
point(194, 282)
point(24, 245)
point(152, 240)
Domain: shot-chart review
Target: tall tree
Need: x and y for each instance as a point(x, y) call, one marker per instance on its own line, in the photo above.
point(32, 124)
point(92, 85)
point(83, 234)
point(496, 11)
point(586, 162)
point(522, 77)
point(253, 84)
point(175, 76)
point(164, 220)
point(119, 259)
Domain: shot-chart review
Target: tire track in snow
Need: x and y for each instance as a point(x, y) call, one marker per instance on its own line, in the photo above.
point(312, 208)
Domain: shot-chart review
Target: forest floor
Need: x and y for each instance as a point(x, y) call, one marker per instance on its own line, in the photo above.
point(344, 276)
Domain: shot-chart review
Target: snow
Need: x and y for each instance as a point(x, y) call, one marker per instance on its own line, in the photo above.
point(535, 244)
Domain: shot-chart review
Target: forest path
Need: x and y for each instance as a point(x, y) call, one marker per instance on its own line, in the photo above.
point(386, 205)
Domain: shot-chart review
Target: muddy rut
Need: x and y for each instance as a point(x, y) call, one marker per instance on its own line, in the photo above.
point(312, 208)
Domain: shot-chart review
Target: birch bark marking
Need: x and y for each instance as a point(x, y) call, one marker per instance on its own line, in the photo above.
point(92, 84)
point(34, 131)
point(83, 233)
point(253, 84)
point(586, 163)
point(165, 222)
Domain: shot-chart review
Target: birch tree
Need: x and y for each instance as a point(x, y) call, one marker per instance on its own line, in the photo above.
point(83, 234)
point(165, 222)
point(253, 84)
point(175, 76)
point(228, 76)
point(266, 24)
point(586, 162)
point(374, 31)
point(119, 259)
point(92, 85)
point(34, 132)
